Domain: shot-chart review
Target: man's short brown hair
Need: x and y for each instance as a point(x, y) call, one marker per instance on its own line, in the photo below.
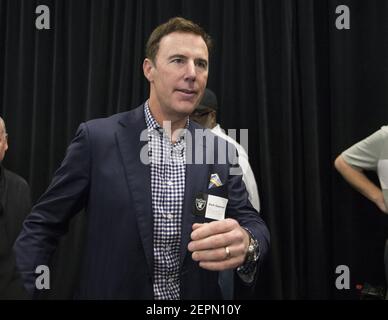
point(176, 24)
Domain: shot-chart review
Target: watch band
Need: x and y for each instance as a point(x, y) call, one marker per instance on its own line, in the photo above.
point(253, 253)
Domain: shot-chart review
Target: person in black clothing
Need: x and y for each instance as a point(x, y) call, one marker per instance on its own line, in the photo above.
point(15, 204)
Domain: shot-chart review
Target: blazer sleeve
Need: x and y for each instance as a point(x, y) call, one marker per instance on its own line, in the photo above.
point(241, 209)
point(50, 217)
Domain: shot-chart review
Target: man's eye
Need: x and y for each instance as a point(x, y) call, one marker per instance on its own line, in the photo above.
point(202, 65)
point(178, 60)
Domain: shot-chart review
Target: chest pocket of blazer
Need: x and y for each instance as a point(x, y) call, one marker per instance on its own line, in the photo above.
point(221, 191)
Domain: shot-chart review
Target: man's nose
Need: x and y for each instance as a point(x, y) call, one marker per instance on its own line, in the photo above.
point(191, 72)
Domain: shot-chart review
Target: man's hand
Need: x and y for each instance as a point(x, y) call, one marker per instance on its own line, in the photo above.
point(379, 201)
point(219, 245)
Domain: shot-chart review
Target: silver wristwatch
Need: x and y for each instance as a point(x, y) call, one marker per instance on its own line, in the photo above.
point(253, 250)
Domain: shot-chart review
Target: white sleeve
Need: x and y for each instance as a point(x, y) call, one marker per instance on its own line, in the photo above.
point(366, 153)
point(249, 179)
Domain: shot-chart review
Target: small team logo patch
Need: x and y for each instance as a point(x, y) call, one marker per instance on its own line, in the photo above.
point(200, 204)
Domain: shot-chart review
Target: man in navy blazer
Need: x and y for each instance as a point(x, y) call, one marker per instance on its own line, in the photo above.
point(143, 240)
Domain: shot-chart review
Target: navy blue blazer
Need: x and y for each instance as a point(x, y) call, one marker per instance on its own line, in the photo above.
point(102, 173)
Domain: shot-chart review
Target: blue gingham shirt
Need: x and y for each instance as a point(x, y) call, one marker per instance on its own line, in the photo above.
point(168, 170)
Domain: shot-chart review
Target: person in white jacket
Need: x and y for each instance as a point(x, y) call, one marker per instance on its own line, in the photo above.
point(369, 154)
point(206, 114)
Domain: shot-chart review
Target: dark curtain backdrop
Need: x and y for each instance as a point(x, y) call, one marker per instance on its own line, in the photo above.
point(305, 90)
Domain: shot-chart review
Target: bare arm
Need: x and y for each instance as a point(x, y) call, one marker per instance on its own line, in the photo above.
point(357, 179)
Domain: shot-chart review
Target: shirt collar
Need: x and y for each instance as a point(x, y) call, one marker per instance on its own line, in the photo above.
point(150, 120)
point(153, 124)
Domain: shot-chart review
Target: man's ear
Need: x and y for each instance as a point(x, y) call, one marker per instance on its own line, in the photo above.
point(148, 68)
point(214, 118)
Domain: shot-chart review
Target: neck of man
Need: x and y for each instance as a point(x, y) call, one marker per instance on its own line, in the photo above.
point(173, 124)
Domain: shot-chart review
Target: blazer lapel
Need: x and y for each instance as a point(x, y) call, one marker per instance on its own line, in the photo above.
point(128, 138)
point(139, 180)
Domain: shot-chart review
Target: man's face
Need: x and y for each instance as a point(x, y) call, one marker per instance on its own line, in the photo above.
point(3, 144)
point(179, 75)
